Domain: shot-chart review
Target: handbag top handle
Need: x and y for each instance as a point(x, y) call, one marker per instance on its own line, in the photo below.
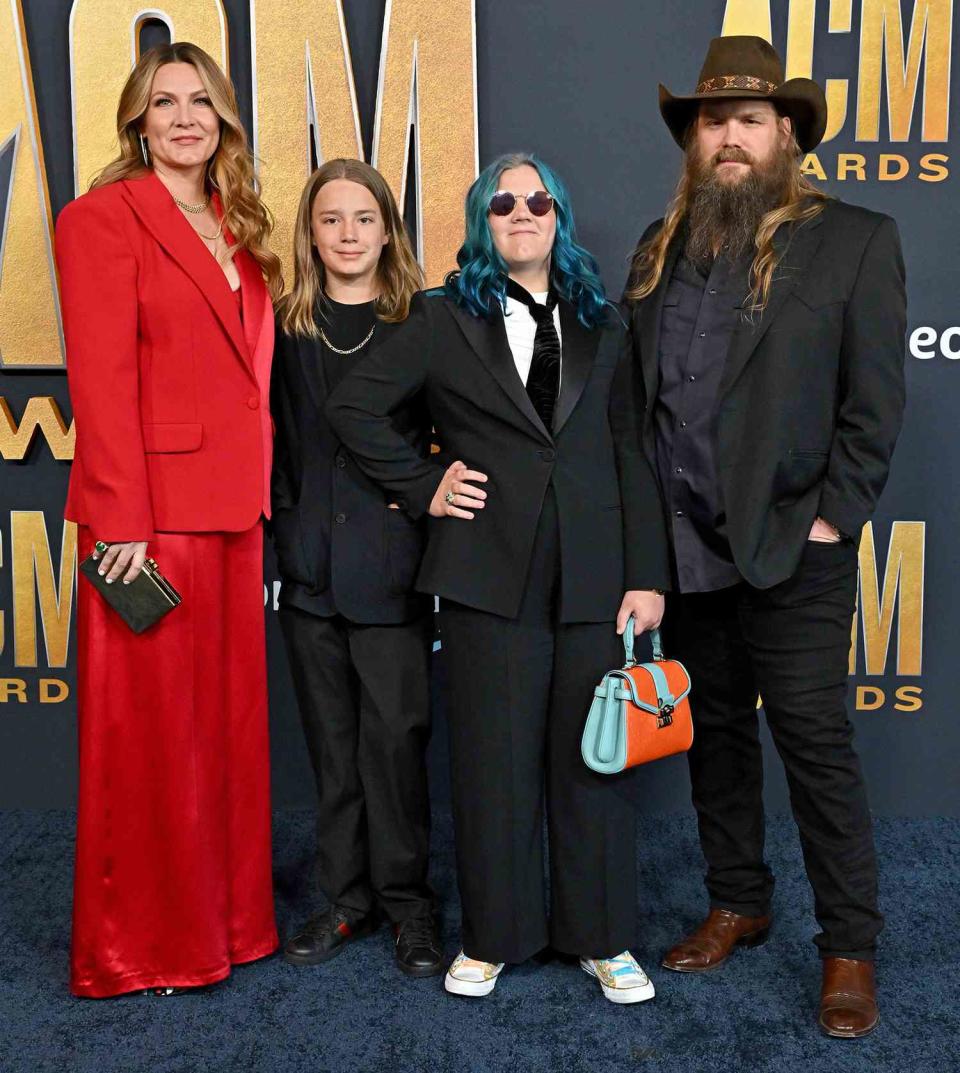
point(628, 644)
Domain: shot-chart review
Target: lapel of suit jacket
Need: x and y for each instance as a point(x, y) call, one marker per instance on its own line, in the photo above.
point(158, 213)
point(578, 347)
point(651, 314)
point(795, 248)
point(313, 370)
point(252, 287)
point(488, 339)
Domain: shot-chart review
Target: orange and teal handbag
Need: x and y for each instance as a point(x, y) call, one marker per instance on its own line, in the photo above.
point(640, 713)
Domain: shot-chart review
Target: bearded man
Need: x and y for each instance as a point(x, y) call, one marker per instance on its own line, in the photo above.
point(769, 322)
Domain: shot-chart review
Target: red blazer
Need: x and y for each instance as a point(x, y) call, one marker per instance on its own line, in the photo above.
point(170, 390)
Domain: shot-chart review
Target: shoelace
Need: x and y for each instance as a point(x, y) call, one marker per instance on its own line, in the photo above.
point(418, 931)
point(625, 965)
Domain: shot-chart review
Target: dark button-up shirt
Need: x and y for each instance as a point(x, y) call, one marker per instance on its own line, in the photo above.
point(699, 316)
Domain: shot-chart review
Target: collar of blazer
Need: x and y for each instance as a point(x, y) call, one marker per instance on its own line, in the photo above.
point(488, 339)
point(158, 212)
point(795, 248)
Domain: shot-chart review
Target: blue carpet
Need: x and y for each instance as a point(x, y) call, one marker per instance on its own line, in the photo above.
point(358, 1013)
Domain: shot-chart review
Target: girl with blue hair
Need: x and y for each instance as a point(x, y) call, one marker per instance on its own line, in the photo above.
point(546, 533)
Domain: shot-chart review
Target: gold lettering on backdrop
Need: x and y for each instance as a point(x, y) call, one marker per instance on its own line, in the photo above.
point(40, 414)
point(13, 689)
point(104, 37)
point(33, 577)
point(881, 46)
point(53, 691)
point(893, 166)
point(869, 698)
point(428, 89)
point(909, 699)
point(811, 166)
point(751, 17)
point(903, 577)
point(303, 89)
point(30, 331)
point(852, 163)
point(799, 60)
point(935, 165)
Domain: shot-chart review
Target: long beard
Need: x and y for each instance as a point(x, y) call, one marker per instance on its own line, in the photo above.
point(727, 215)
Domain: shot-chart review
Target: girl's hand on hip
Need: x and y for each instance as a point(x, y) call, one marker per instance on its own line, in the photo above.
point(455, 497)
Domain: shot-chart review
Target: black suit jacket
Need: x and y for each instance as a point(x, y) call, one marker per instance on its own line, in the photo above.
point(339, 547)
point(812, 394)
point(611, 524)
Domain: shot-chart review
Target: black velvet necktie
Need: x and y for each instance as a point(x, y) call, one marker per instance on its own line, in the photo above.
point(543, 382)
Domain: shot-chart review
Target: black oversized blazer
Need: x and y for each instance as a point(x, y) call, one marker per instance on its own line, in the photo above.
point(335, 538)
point(812, 393)
point(612, 534)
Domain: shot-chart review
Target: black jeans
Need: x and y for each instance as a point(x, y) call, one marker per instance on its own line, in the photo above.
point(364, 699)
point(518, 693)
point(789, 644)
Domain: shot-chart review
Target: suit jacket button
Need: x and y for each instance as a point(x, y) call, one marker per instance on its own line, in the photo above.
point(340, 518)
point(548, 455)
point(341, 462)
point(254, 402)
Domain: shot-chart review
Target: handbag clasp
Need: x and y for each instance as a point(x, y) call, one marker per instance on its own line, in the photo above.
point(665, 718)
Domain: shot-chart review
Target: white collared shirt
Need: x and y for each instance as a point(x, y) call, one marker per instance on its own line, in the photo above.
point(521, 329)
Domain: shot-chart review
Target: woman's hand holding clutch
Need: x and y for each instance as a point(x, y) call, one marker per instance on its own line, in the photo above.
point(121, 560)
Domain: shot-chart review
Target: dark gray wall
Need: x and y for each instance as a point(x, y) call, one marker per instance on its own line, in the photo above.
point(577, 84)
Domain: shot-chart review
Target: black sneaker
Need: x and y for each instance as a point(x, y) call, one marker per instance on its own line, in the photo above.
point(326, 934)
point(418, 950)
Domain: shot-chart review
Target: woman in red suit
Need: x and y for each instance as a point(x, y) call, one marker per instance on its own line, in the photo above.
point(166, 284)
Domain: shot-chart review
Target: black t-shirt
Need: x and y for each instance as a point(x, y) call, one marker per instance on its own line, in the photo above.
point(345, 326)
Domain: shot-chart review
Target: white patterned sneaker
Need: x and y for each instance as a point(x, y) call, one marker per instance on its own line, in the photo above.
point(621, 977)
point(469, 977)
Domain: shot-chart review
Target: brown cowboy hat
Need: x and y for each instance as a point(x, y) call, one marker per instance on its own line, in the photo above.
point(748, 67)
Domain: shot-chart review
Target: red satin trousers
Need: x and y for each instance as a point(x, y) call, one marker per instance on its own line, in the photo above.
point(173, 876)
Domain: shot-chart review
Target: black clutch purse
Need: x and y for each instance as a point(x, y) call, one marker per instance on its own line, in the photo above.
point(141, 603)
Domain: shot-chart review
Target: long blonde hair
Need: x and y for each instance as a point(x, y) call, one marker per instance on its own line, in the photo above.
point(398, 273)
point(230, 170)
point(802, 201)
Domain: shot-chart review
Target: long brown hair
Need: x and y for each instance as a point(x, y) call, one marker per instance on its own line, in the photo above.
point(398, 273)
point(802, 201)
point(230, 170)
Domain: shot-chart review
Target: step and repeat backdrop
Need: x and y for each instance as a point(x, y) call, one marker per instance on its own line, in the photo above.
point(425, 91)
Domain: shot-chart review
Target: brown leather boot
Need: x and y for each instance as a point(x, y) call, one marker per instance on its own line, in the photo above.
point(848, 998)
point(711, 944)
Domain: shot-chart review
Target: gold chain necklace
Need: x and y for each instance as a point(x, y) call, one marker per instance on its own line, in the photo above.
point(353, 349)
point(194, 209)
point(213, 237)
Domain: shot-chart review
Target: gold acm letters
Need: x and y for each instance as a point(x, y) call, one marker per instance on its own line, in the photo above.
point(304, 100)
point(881, 51)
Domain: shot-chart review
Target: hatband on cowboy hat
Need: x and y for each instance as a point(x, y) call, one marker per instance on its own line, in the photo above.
point(749, 68)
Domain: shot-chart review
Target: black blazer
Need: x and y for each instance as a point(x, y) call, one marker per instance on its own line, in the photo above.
point(812, 394)
point(339, 548)
point(612, 535)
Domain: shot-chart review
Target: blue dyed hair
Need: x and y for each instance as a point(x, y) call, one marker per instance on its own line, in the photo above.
point(481, 284)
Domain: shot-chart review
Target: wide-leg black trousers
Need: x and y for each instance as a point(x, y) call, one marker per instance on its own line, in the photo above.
point(364, 699)
point(518, 691)
point(789, 645)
